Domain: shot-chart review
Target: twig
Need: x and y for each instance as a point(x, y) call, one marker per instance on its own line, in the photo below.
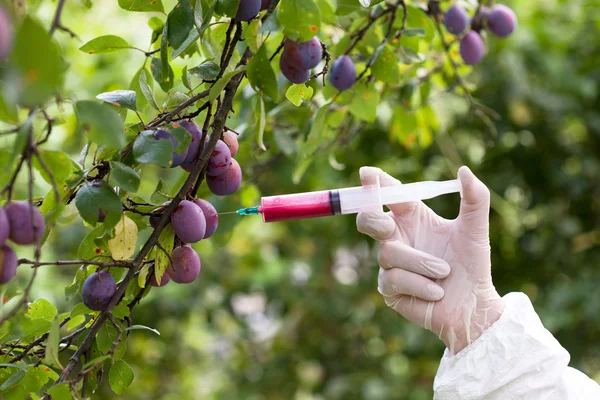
point(113, 263)
point(56, 21)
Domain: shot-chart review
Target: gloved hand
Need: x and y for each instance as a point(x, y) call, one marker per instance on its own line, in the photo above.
point(433, 271)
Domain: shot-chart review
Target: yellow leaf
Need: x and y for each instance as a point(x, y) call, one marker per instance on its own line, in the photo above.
point(122, 246)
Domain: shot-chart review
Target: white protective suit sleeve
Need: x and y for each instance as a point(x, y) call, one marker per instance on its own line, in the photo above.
point(516, 358)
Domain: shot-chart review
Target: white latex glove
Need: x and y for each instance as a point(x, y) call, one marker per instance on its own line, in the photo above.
point(433, 271)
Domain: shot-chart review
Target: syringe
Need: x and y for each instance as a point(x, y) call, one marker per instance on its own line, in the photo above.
point(350, 200)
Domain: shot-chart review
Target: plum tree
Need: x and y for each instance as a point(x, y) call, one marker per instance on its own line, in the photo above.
point(231, 140)
point(220, 159)
point(6, 33)
point(184, 266)
point(501, 20)
point(97, 290)
point(342, 74)
point(188, 222)
point(265, 4)
point(304, 55)
point(4, 225)
point(178, 158)
point(22, 230)
point(248, 9)
point(8, 263)
point(194, 146)
point(472, 48)
point(456, 19)
point(163, 280)
point(228, 183)
point(211, 216)
point(293, 73)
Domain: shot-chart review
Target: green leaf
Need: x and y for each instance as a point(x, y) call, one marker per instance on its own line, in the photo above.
point(227, 8)
point(156, 24)
point(327, 12)
point(60, 392)
point(120, 98)
point(148, 150)
point(261, 74)
point(317, 132)
point(202, 15)
point(96, 360)
point(409, 56)
point(107, 335)
point(42, 308)
point(35, 327)
point(403, 126)
point(215, 91)
point(36, 378)
point(88, 249)
point(13, 379)
point(185, 78)
point(123, 176)
point(60, 165)
point(120, 376)
point(105, 44)
point(166, 240)
point(174, 99)
point(37, 59)
point(8, 111)
point(23, 367)
point(188, 47)
point(135, 327)
point(102, 124)
point(121, 311)
point(252, 37)
point(75, 286)
point(260, 121)
point(79, 310)
point(385, 67)
point(416, 32)
point(146, 88)
point(93, 196)
point(164, 80)
point(298, 94)
point(122, 245)
point(207, 71)
point(364, 102)
point(300, 19)
point(164, 54)
point(301, 169)
point(181, 22)
point(181, 135)
point(51, 355)
point(75, 322)
point(345, 7)
point(161, 193)
point(142, 5)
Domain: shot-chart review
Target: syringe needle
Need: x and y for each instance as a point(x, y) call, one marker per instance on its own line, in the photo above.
point(227, 213)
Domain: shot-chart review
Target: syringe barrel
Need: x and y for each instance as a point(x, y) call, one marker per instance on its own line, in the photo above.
point(300, 206)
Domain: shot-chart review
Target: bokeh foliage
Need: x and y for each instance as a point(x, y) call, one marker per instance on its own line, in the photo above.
point(291, 310)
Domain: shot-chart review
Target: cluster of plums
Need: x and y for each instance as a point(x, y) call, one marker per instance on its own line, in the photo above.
point(248, 9)
point(299, 58)
point(500, 20)
point(223, 174)
point(17, 225)
point(192, 220)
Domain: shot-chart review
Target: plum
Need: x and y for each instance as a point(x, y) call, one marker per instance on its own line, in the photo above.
point(265, 4)
point(21, 225)
point(185, 266)
point(97, 290)
point(163, 280)
point(211, 216)
point(248, 9)
point(342, 74)
point(220, 159)
point(293, 73)
point(456, 20)
point(304, 55)
point(188, 222)
point(231, 140)
point(154, 220)
point(501, 20)
point(472, 48)
point(8, 263)
point(4, 225)
point(178, 158)
point(194, 147)
point(6, 34)
point(228, 183)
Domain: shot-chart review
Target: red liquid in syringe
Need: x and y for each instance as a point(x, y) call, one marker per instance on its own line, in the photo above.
point(299, 206)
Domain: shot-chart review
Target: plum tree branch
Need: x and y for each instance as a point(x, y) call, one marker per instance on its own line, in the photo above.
point(113, 263)
point(56, 24)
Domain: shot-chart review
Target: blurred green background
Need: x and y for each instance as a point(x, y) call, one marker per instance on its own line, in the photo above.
point(291, 310)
